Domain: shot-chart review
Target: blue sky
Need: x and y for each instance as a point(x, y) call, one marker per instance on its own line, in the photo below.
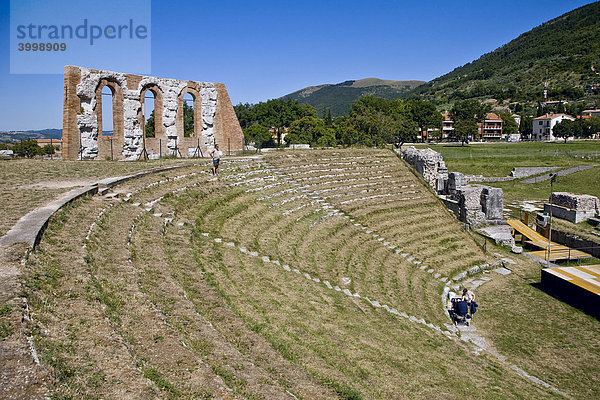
point(266, 49)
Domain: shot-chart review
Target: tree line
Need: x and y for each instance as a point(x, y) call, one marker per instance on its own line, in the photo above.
point(372, 121)
point(29, 148)
point(579, 128)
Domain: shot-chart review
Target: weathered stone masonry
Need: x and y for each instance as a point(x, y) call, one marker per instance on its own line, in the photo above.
point(214, 117)
point(474, 204)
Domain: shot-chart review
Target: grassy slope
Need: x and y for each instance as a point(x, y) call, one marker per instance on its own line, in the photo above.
point(187, 317)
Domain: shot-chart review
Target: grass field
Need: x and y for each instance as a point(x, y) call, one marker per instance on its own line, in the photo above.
point(309, 275)
point(498, 159)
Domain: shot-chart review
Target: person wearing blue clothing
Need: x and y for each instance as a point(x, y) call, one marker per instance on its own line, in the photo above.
point(469, 297)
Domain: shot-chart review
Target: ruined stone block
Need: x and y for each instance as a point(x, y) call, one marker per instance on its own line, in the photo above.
point(455, 181)
point(492, 203)
point(573, 207)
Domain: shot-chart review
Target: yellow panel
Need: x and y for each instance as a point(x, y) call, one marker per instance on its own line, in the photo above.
point(594, 288)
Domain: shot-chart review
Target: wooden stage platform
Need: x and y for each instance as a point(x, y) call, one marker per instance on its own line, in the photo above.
point(557, 252)
point(580, 285)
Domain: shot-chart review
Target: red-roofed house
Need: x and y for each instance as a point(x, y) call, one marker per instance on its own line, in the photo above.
point(491, 127)
point(447, 126)
point(542, 126)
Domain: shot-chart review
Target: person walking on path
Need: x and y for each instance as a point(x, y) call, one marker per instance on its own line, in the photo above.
point(216, 157)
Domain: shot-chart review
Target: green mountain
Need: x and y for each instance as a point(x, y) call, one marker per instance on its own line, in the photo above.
point(564, 52)
point(15, 136)
point(339, 97)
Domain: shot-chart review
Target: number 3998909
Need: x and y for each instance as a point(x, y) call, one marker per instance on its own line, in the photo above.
point(41, 46)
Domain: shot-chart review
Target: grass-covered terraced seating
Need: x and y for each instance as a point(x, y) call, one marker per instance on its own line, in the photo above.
point(297, 274)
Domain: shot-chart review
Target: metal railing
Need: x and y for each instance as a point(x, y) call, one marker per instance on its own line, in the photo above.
point(568, 254)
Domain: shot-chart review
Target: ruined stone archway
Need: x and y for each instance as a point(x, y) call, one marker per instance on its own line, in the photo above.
point(110, 147)
point(188, 144)
point(214, 116)
point(158, 143)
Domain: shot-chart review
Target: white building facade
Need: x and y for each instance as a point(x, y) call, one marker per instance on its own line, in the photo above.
point(542, 126)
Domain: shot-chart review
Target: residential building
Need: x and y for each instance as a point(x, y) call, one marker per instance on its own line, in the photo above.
point(591, 113)
point(491, 127)
point(447, 126)
point(542, 126)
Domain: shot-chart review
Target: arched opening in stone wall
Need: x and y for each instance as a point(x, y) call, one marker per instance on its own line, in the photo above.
point(148, 109)
point(188, 115)
point(107, 115)
point(150, 117)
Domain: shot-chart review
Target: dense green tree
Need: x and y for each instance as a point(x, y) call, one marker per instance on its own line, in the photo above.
point(509, 125)
point(466, 114)
point(593, 126)
point(526, 126)
point(567, 128)
point(307, 130)
point(375, 121)
point(27, 148)
point(259, 135)
point(464, 129)
point(49, 149)
point(424, 114)
point(364, 127)
point(587, 127)
point(246, 115)
point(328, 139)
point(149, 128)
point(276, 114)
point(328, 119)
point(404, 130)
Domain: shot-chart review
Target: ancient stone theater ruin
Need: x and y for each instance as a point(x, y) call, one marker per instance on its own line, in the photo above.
point(83, 136)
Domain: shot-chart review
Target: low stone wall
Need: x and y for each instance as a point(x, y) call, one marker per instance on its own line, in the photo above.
point(568, 214)
point(578, 202)
point(524, 172)
point(474, 204)
point(481, 178)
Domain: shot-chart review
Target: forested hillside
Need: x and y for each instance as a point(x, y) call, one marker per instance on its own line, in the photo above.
point(565, 52)
point(339, 97)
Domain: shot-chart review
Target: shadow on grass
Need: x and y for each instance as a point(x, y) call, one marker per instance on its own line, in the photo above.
point(584, 301)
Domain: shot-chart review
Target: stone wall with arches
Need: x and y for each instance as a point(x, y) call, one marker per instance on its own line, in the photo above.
point(84, 138)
